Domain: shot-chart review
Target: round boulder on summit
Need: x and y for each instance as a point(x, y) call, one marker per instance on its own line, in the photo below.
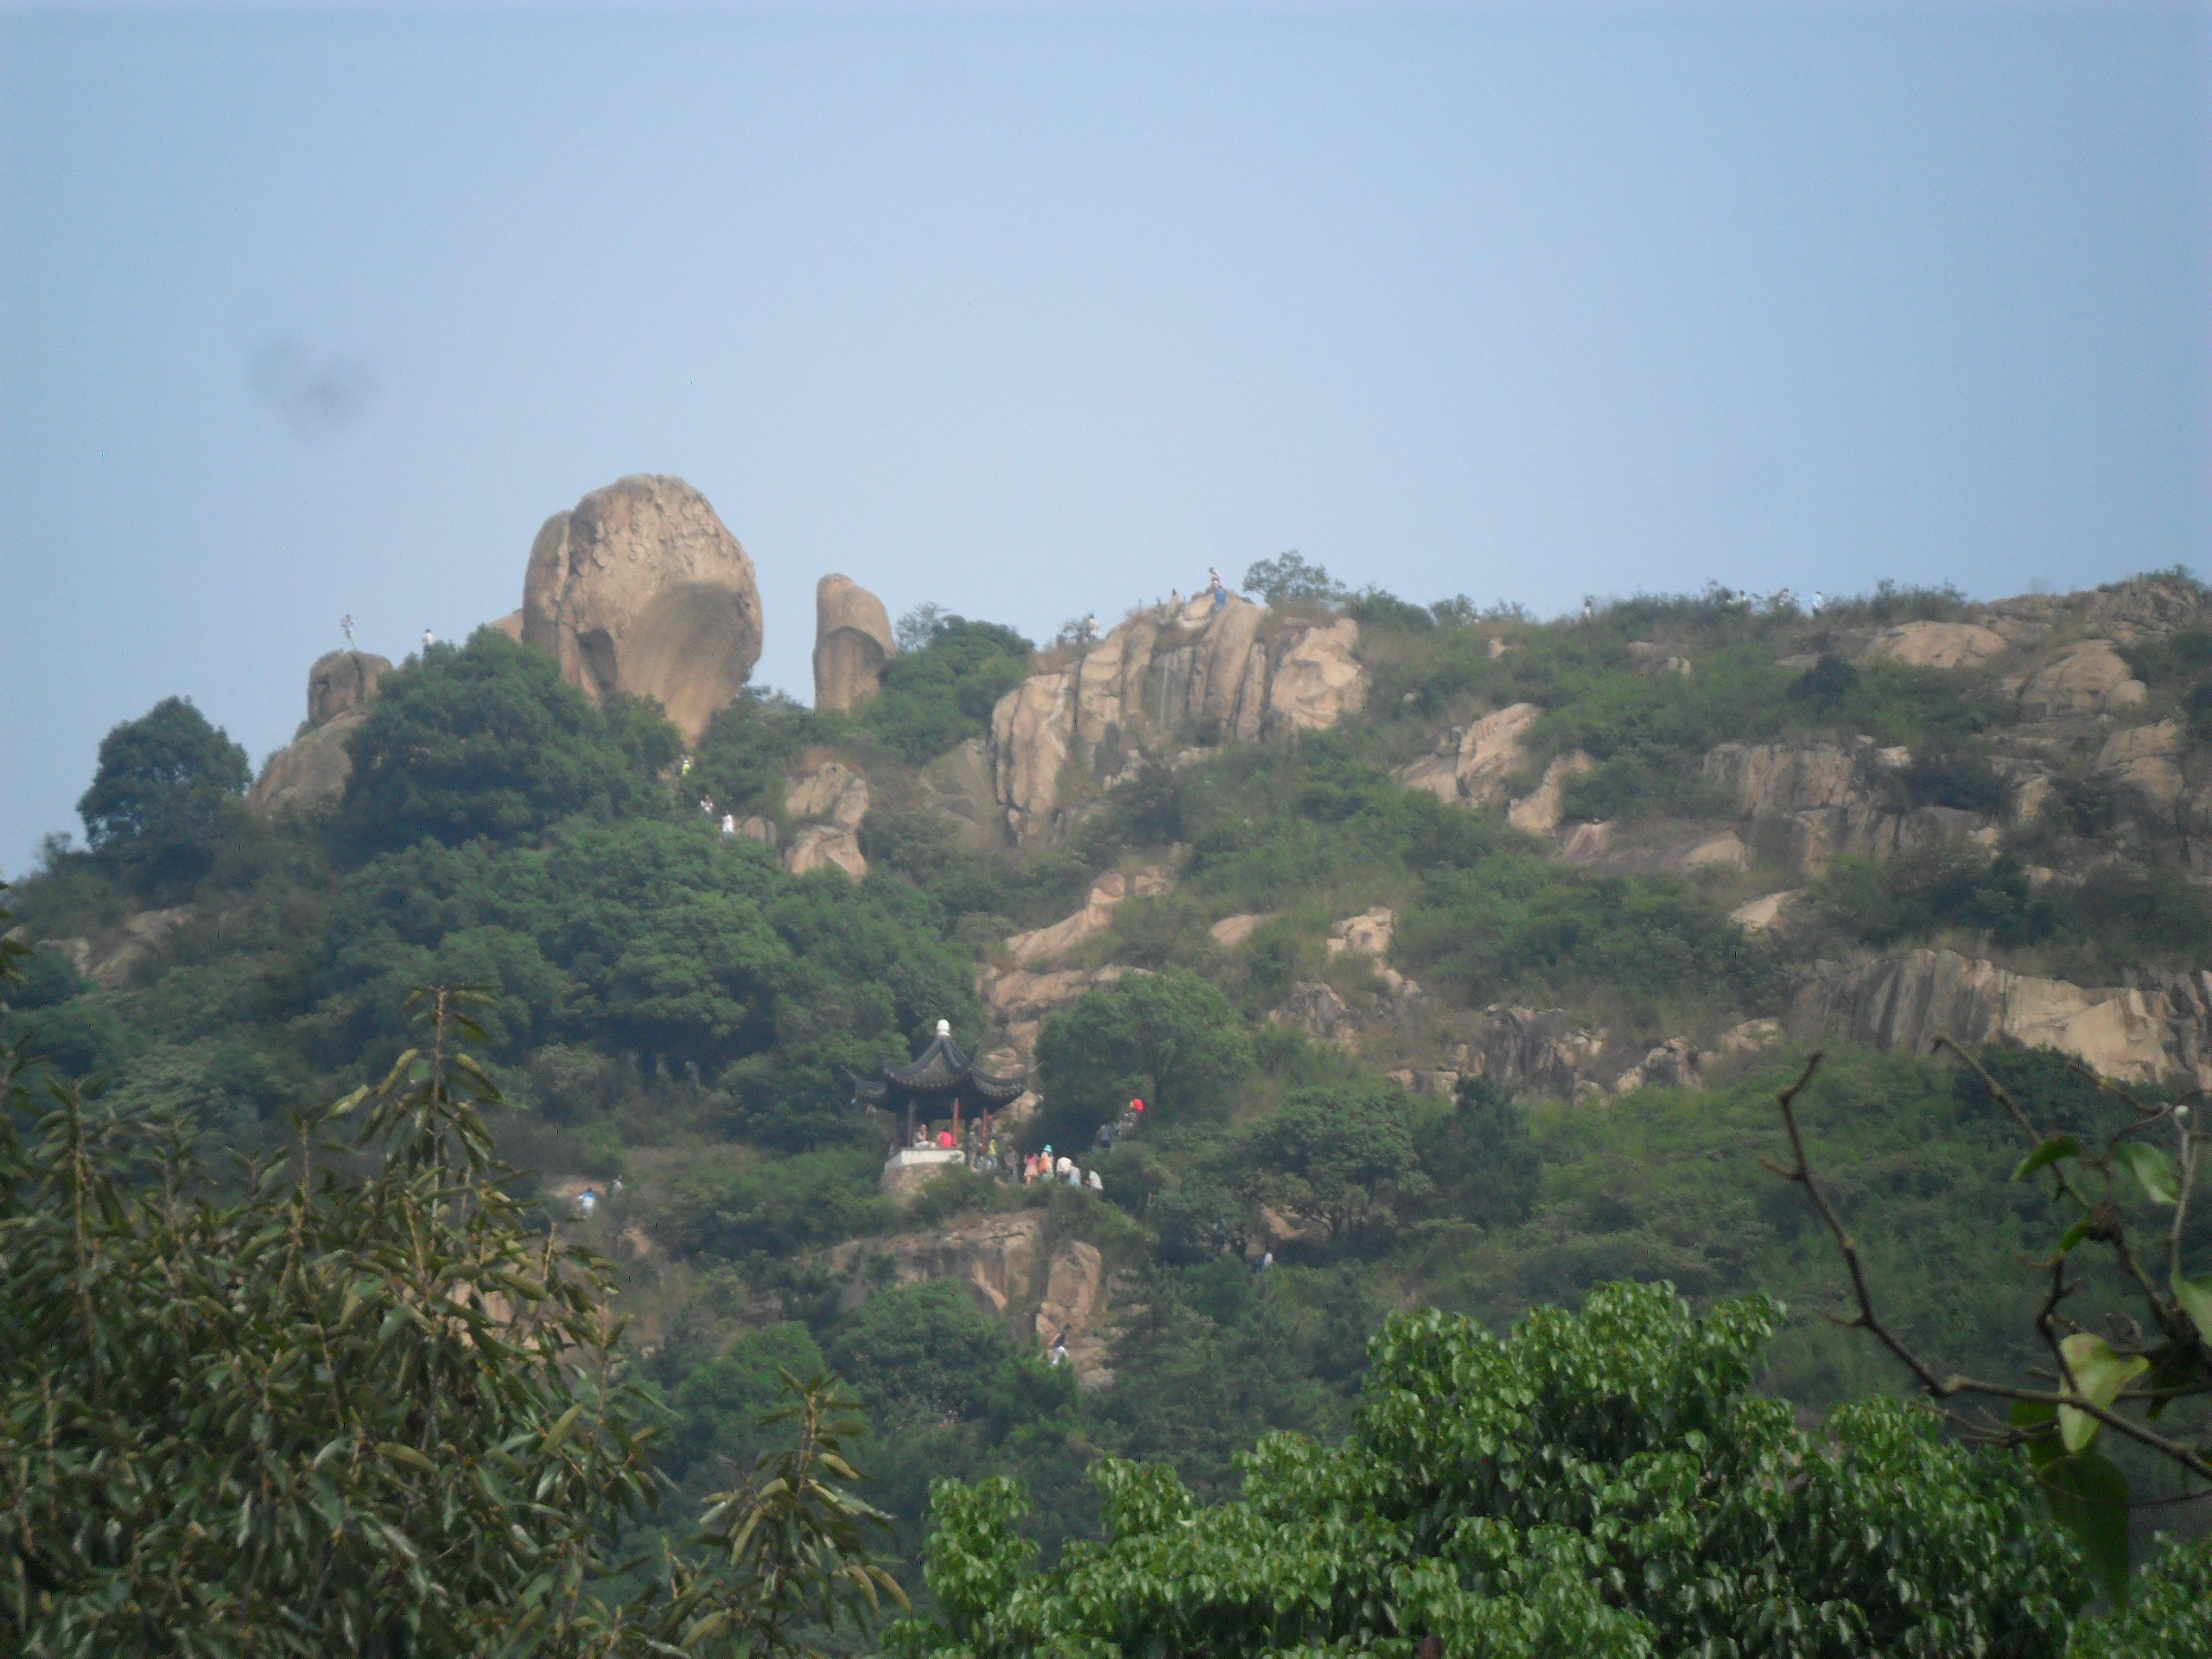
point(640, 589)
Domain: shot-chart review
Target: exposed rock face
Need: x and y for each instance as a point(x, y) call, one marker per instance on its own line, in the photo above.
point(852, 642)
point(119, 955)
point(1000, 1261)
point(1536, 1051)
point(1154, 682)
point(995, 1257)
point(2147, 1034)
point(342, 680)
point(1675, 1063)
point(2147, 758)
point(957, 786)
point(1017, 1000)
point(2084, 679)
point(1539, 814)
point(640, 589)
point(1317, 681)
point(1317, 1010)
point(1809, 803)
point(829, 803)
point(1045, 943)
point(310, 772)
point(510, 625)
point(1473, 764)
point(1939, 644)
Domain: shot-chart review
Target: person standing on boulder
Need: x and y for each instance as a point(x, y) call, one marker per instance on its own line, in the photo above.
point(1215, 587)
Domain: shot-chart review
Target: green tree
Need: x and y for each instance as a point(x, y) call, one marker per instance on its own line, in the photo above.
point(1600, 1483)
point(1339, 1156)
point(1171, 1039)
point(485, 738)
point(936, 698)
point(1481, 1155)
point(165, 788)
point(363, 1406)
point(923, 1352)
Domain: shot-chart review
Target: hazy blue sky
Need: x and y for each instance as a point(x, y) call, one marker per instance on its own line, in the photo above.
point(1032, 316)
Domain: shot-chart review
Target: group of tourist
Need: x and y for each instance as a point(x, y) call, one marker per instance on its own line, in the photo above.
point(1043, 1166)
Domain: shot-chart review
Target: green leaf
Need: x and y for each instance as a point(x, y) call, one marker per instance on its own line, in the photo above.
point(2195, 1296)
point(2152, 1170)
point(2051, 1152)
point(2098, 1375)
point(2075, 1234)
point(2088, 1495)
point(566, 1421)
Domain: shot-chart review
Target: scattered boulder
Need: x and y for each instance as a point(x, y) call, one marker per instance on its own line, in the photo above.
point(1675, 1063)
point(829, 804)
point(994, 1258)
point(833, 791)
point(1939, 644)
point(1315, 1009)
point(2087, 678)
point(1044, 943)
point(1537, 1052)
point(1473, 764)
point(2158, 1029)
point(1369, 933)
point(1759, 914)
point(1807, 804)
point(1539, 814)
point(640, 589)
point(1231, 931)
point(821, 846)
point(852, 643)
point(1648, 658)
point(1017, 1001)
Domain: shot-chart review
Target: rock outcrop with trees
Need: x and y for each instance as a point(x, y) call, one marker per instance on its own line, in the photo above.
point(1457, 957)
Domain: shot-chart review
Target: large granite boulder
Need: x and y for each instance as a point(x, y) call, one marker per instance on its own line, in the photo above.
point(310, 772)
point(852, 642)
point(341, 680)
point(639, 588)
point(2086, 678)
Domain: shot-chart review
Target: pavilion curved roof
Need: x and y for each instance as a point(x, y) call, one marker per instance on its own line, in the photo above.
point(943, 1074)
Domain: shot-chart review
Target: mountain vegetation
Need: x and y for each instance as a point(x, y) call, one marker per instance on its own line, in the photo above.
point(1437, 1301)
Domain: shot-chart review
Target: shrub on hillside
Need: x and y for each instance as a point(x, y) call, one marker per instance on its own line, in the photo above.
point(1171, 1039)
point(936, 698)
point(485, 739)
point(166, 794)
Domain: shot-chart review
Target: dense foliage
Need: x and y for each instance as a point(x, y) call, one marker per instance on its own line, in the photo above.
point(675, 1018)
point(1599, 1484)
point(487, 740)
point(362, 1405)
